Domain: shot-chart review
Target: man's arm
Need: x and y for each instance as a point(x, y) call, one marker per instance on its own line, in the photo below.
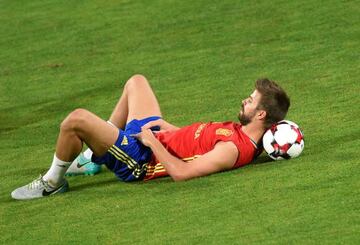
point(222, 157)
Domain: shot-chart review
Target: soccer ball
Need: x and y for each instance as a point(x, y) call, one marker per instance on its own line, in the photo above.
point(284, 140)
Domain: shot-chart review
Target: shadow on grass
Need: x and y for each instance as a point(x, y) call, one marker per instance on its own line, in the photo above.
point(5, 196)
point(263, 158)
point(114, 181)
point(97, 183)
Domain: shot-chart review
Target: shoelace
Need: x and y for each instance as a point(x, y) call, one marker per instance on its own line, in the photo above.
point(38, 184)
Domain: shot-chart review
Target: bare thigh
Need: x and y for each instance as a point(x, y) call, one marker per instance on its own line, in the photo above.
point(142, 101)
point(95, 132)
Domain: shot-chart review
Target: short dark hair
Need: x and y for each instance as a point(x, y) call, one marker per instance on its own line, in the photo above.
point(274, 101)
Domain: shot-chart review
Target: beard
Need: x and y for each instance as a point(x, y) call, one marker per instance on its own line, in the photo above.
point(245, 119)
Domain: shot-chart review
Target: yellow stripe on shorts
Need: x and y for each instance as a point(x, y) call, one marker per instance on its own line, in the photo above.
point(122, 156)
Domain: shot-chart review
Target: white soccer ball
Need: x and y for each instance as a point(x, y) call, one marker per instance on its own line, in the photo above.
point(284, 140)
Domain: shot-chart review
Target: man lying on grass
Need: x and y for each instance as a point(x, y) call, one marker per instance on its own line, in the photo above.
point(137, 144)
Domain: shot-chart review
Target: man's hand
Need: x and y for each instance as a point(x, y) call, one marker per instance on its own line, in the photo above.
point(146, 137)
point(164, 126)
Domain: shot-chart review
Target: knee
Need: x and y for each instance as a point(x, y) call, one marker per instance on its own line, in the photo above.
point(74, 120)
point(136, 81)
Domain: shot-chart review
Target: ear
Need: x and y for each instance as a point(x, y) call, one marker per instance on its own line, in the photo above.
point(261, 114)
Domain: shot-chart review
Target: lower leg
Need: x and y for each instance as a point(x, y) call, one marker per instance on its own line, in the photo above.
point(68, 146)
point(80, 126)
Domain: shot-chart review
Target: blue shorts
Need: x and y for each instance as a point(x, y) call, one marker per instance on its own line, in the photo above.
point(127, 158)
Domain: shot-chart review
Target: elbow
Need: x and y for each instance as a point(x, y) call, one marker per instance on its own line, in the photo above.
point(178, 177)
point(183, 176)
point(179, 172)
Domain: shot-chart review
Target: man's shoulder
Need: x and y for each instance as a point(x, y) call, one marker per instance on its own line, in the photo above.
point(227, 153)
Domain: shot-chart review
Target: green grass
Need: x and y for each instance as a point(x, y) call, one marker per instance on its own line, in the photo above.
point(202, 58)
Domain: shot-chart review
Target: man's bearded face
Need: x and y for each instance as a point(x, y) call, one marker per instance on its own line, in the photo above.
point(249, 108)
point(246, 117)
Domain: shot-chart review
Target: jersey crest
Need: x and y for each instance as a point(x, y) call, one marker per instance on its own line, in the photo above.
point(224, 131)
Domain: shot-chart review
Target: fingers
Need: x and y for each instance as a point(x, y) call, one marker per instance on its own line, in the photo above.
point(140, 135)
point(146, 136)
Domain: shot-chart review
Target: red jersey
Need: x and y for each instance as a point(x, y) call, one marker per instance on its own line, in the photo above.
point(197, 139)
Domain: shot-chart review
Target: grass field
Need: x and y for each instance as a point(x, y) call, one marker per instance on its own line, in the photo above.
point(202, 57)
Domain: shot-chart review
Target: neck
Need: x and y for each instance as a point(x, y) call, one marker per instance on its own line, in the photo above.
point(254, 131)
